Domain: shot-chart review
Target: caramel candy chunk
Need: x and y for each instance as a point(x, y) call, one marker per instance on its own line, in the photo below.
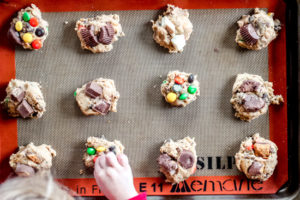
point(262, 150)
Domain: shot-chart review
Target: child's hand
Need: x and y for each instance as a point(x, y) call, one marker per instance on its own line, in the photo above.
point(114, 177)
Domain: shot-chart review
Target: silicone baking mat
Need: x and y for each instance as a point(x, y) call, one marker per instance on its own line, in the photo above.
point(143, 121)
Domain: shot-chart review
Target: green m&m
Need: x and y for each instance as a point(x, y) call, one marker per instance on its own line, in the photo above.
point(183, 96)
point(26, 16)
point(192, 89)
point(75, 94)
point(91, 151)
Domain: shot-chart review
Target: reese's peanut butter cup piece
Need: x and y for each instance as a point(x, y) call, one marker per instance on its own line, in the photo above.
point(249, 34)
point(88, 37)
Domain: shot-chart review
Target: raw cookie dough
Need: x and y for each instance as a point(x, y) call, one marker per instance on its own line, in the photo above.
point(28, 29)
point(177, 160)
point(257, 157)
point(180, 88)
point(99, 33)
point(251, 96)
point(258, 30)
point(97, 97)
point(173, 29)
point(96, 146)
point(25, 99)
point(31, 159)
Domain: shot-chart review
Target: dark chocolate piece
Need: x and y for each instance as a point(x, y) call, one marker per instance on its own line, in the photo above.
point(187, 159)
point(106, 34)
point(14, 35)
point(166, 162)
point(249, 86)
point(24, 170)
point(112, 149)
point(88, 37)
point(102, 107)
point(254, 169)
point(24, 109)
point(249, 34)
point(93, 90)
point(17, 95)
point(27, 28)
point(253, 103)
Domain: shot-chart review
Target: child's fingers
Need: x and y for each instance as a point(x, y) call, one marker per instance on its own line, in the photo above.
point(101, 161)
point(111, 160)
point(123, 160)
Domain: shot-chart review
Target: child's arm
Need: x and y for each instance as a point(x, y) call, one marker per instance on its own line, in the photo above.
point(114, 177)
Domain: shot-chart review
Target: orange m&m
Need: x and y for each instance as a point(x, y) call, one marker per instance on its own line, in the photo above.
point(179, 80)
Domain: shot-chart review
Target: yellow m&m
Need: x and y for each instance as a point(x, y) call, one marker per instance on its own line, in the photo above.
point(101, 149)
point(18, 26)
point(171, 97)
point(27, 37)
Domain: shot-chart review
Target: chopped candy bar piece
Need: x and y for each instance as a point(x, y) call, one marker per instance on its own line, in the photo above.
point(102, 107)
point(17, 95)
point(24, 170)
point(93, 90)
point(24, 109)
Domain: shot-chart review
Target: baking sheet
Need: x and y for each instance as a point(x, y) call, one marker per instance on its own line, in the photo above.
point(139, 65)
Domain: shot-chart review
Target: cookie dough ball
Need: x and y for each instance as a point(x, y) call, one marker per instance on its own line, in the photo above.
point(258, 30)
point(96, 146)
point(31, 159)
point(25, 99)
point(177, 160)
point(251, 96)
point(29, 29)
point(172, 29)
point(180, 88)
point(99, 33)
point(97, 97)
point(257, 158)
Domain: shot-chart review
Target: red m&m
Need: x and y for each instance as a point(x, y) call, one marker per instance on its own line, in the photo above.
point(179, 80)
point(33, 22)
point(36, 44)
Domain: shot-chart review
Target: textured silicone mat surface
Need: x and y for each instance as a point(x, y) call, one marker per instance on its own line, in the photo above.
point(139, 65)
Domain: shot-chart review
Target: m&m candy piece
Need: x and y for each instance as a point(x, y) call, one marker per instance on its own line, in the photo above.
point(191, 78)
point(26, 16)
point(101, 149)
point(34, 22)
point(18, 26)
point(75, 94)
point(179, 80)
point(95, 158)
point(183, 96)
point(171, 97)
point(27, 37)
point(91, 151)
point(177, 88)
point(36, 44)
point(192, 89)
point(39, 32)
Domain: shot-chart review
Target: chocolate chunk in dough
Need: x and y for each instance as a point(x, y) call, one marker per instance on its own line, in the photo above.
point(249, 86)
point(166, 161)
point(249, 34)
point(93, 90)
point(253, 103)
point(24, 109)
point(102, 107)
point(262, 150)
point(24, 170)
point(186, 159)
point(17, 95)
point(88, 37)
point(254, 169)
point(14, 36)
point(106, 34)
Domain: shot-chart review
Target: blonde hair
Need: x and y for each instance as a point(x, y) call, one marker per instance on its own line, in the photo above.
point(39, 186)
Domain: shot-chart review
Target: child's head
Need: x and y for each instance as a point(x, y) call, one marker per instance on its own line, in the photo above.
point(34, 187)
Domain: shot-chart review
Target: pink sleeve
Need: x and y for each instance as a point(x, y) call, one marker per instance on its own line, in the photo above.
point(142, 196)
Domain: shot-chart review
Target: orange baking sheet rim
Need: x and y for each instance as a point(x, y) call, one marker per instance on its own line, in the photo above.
point(155, 186)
